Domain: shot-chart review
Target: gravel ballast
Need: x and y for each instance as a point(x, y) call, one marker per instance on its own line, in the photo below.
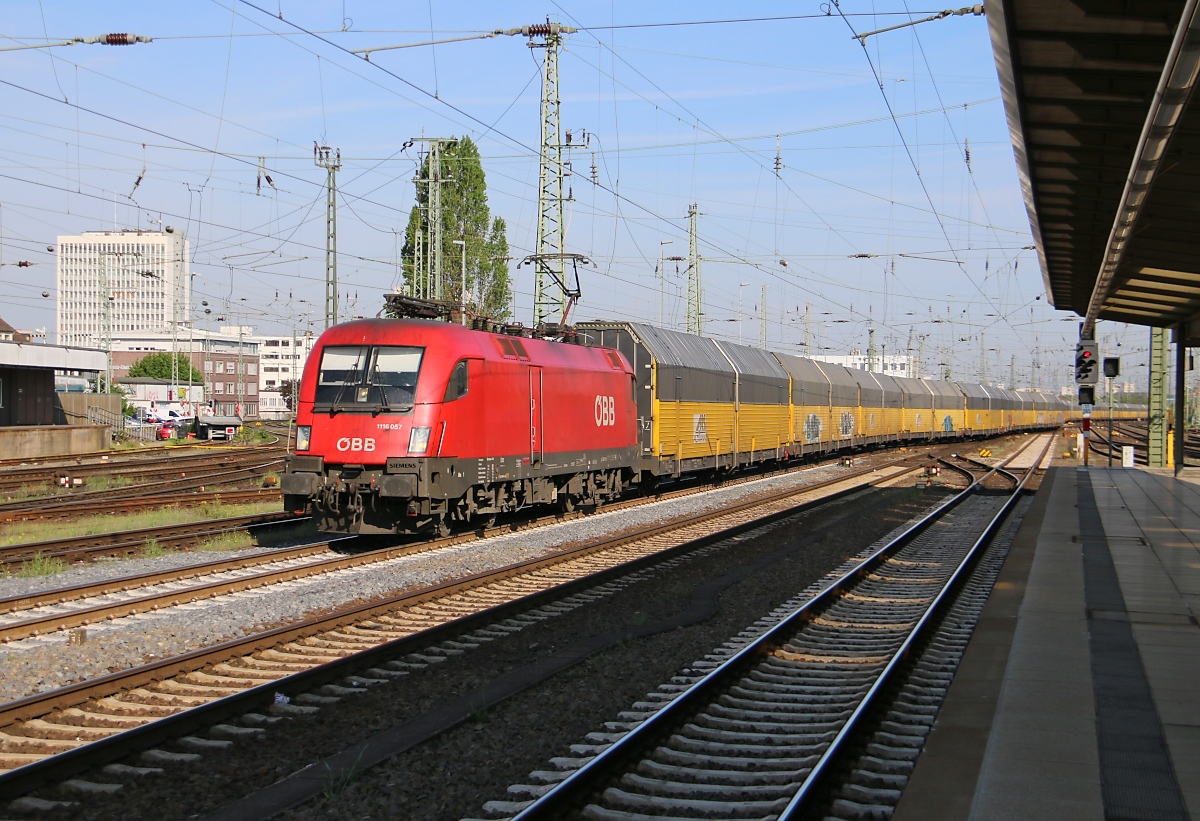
point(34, 665)
point(453, 774)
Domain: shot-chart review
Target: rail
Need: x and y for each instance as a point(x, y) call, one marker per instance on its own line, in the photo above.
point(574, 790)
point(520, 586)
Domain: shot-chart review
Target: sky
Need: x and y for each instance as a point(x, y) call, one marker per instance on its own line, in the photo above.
point(896, 204)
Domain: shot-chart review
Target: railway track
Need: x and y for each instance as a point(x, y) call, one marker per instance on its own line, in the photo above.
point(54, 734)
point(1135, 434)
point(135, 503)
point(78, 499)
point(105, 457)
point(761, 728)
point(163, 466)
point(62, 609)
point(132, 542)
point(82, 605)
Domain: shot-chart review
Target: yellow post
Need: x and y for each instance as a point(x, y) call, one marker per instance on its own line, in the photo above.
point(1171, 448)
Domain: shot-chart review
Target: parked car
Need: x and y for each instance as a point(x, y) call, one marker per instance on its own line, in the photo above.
point(171, 430)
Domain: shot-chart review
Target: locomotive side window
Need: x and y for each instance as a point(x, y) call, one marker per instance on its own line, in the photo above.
point(456, 388)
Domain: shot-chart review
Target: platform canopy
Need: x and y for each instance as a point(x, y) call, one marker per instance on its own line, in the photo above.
point(57, 357)
point(1098, 95)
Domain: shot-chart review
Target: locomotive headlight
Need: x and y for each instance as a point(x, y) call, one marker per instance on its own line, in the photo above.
point(303, 436)
point(418, 440)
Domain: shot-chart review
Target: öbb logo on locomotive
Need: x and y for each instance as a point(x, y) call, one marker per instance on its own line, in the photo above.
point(355, 443)
point(606, 411)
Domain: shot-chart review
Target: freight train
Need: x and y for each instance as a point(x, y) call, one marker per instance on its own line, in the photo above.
point(418, 426)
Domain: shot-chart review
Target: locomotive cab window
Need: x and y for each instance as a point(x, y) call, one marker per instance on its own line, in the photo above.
point(368, 378)
point(394, 372)
point(341, 368)
point(456, 388)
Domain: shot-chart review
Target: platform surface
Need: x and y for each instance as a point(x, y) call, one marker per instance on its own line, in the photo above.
point(1079, 694)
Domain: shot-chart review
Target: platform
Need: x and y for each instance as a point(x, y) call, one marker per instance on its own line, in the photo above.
point(1079, 694)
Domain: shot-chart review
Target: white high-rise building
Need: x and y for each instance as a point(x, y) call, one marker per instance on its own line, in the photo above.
point(281, 360)
point(890, 364)
point(148, 284)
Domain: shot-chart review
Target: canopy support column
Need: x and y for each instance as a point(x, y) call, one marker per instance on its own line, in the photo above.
point(1180, 397)
point(1156, 446)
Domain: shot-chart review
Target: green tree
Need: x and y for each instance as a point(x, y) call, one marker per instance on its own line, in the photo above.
point(465, 216)
point(158, 366)
point(286, 386)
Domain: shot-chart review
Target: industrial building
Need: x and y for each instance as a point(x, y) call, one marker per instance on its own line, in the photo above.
point(229, 363)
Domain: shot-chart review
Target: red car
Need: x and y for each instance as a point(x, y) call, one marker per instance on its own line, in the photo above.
point(412, 425)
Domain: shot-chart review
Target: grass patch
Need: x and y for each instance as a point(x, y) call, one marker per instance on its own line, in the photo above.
point(337, 783)
point(152, 549)
point(253, 436)
point(22, 532)
point(41, 565)
point(109, 482)
point(227, 541)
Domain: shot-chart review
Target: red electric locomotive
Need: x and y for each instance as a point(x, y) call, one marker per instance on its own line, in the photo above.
point(408, 426)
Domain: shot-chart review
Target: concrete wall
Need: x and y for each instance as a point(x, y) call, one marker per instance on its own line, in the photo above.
point(73, 408)
point(52, 440)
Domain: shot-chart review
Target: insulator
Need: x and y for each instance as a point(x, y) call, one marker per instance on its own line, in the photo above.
point(540, 29)
point(120, 39)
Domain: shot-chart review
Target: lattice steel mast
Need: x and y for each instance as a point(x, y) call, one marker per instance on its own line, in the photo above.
point(549, 261)
point(695, 310)
point(331, 160)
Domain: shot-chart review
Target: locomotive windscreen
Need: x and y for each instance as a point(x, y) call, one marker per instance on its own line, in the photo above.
point(380, 377)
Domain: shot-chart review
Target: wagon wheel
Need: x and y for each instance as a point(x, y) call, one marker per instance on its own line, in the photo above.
point(566, 503)
point(442, 528)
point(487, 521)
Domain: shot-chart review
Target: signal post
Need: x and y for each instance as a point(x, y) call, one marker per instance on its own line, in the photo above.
point(1087, 374)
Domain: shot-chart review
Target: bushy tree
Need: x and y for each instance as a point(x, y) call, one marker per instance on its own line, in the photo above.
point(158, 366)
point(465, 216)
point(286, 386)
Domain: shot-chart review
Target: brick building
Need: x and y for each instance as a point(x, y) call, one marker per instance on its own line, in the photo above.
point(230, 366)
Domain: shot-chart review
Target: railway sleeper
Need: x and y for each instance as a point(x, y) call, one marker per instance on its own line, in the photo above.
point(667, 788)
point(733, 775)
point(177, 698)
point(76, 716)
point(857, 811)
point(43, 728)
point(659, 805)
